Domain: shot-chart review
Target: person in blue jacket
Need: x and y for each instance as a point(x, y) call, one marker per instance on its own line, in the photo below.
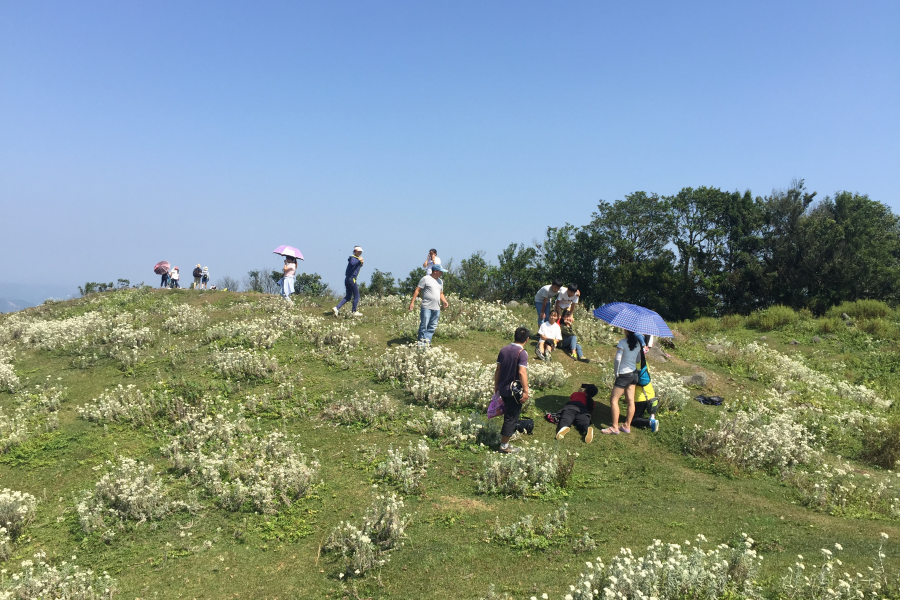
point(354, 263)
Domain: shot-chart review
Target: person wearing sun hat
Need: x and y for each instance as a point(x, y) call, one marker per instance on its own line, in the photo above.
point(354, 264)
point(198, 276)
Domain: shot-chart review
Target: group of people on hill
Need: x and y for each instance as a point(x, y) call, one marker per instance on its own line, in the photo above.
point(172, 278)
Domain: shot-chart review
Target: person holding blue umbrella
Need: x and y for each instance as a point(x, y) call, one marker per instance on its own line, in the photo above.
point(636, 321)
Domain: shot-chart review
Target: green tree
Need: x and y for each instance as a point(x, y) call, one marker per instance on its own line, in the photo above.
point(408, 285)
point(517, 276)
point(380, 284)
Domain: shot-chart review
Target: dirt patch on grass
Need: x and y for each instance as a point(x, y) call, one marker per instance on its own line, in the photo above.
point(463, 504)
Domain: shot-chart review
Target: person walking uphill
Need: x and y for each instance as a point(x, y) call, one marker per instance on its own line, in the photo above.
point(511, 383)
point(354, 264)
point(432, 298)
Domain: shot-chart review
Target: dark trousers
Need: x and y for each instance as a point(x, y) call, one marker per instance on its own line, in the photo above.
point(512, 408)
point(165, 281)
point(576, 414)
point(352, 293)
point(641, 408)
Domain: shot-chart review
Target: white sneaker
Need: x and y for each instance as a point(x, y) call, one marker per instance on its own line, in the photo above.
point(334, 309)
point(357, 314)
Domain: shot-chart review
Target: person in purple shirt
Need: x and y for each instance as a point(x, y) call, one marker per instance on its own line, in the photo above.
point(354, 263)
point(511, 383)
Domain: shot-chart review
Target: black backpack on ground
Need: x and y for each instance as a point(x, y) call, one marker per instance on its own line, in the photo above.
point(525, 426)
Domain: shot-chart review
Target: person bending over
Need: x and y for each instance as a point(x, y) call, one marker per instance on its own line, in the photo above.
point(549, 334)
point(578, 412)
point(645, 402)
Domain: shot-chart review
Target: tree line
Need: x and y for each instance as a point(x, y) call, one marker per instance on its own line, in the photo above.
point(700, 252)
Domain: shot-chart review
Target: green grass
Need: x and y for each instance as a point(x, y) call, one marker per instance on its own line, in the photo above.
point(626, 490)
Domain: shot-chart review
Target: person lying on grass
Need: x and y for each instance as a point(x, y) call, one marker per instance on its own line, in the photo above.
point(626, 372)
point(549, 334)
point(578, 411)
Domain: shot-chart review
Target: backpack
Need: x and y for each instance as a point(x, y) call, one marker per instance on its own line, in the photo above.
point(198, 272)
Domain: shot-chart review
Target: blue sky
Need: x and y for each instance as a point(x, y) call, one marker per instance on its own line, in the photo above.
point(132, 132)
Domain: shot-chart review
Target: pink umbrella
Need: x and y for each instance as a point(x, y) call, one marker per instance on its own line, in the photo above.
point(288, 251)
point(161, 267)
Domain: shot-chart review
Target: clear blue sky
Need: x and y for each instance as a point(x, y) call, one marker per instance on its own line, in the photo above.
point(132, 132)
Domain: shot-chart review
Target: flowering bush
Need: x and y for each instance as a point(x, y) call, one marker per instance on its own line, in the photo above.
point(36, 411)
point(68, 581)
point(367, 409)
point(672, 572)
point(407, 325)
point(591, 330)
point(238, 363)
point(828, 580)
point(9, 381)
point(546, 375)
point(237, 467)
point(16, 511)
point(470, 430)
point(755, 439)
point(842, 490)
point(185, 318)
point(529, 533)
point(128, 491)
point(121, 405)
point(405, 469)
point(535, 471)
point(257, 333)
point(383, 529)
point(671, 393)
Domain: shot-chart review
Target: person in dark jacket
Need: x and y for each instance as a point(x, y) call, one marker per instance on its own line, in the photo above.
point(354, 263)
point(577, 411)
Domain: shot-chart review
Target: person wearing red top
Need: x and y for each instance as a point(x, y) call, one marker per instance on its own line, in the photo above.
point(578, 411)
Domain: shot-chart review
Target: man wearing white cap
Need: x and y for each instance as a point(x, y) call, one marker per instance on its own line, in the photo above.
point(354, 263)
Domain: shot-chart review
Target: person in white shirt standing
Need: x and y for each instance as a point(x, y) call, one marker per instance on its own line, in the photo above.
point(567, 299)
point(431, 261)
point(432, 289)
point(543, 300)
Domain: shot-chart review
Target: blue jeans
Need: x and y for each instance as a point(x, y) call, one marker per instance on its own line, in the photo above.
point(571, 343)
point(428, 320)
point(352, 293)
point(164, 283)
point(546, 318)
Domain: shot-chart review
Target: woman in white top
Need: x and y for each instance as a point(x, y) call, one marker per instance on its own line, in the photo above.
point(287, 280)
point(431, 261)
point(175, 276)
point(204, 279)
point(567, 299)
point(628, 357)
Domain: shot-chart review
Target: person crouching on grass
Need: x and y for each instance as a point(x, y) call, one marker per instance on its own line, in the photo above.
point(645, 402)
point(549, 334)
point(511, 383)
point(578, 412)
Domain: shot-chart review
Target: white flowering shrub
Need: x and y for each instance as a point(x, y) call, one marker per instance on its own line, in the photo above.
point(39, 579)
point(383, 529)
point(671, 393)
point(584, 544)
point(239, 468)
point(405, 468)
point(35, 412)
point(9, 381)
point(366, 409)
point(256, 333)
point(437, 376)
point(237, 363)
point(529, 533)
point(128, 491)
point(755, 439)
point(407, 325)
point(124, 404)
point(534, 471)
point(185, 318)
point(830, 580)
point(591, 330)
point(542, 375)
point(460, 431)
point(126, 336)
point(672, 572)
point(16, 511)
point(842, 490)
point(379, 300)
point(63, 333)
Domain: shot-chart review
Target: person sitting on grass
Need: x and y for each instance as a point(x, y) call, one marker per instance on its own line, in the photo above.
point(549, 334)
point(645, 402)
point(569, 341)
point(578, 411)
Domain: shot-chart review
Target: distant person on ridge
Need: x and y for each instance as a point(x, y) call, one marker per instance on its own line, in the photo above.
point(543, 300)
point(287, 279)
point(354, 264)
point(432, 298)
point(431, 261)
point(174, 276)
point(204, 280)
point(164, 282)
point(198, 276)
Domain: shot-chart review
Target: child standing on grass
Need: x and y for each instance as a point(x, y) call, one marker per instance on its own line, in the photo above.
point(549, 334)
point(578, 412)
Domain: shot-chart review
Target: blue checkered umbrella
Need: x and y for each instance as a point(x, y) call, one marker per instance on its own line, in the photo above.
point(633, 318)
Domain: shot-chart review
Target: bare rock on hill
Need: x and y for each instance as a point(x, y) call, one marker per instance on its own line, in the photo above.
point(667, 342)
point(845, 316)
point(512, 304)
point(657, 355)
point(698, 379)
point(794, 343)
point(816, 339)
point(762, 338)
point(849, 323)
point(715, 348)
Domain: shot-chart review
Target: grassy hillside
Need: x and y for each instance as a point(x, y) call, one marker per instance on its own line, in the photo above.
point(225, 445)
